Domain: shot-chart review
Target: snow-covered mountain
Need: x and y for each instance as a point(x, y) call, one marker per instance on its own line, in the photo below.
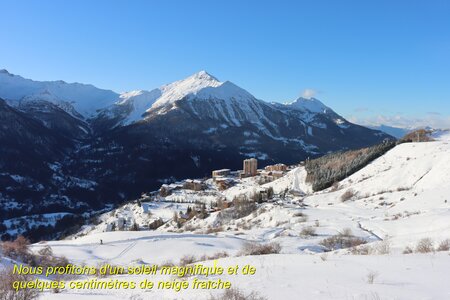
point(91, 147)
point(88, 102)
point(192, 86)
point(207, 97)
point(84, 98)
point(399, 132)
point(312, 105)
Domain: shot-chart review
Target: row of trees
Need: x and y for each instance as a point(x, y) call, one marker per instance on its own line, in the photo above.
point(331, 168)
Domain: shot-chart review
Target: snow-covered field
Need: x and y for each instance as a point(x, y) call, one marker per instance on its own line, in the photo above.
point(290, 276)
point(396, 201)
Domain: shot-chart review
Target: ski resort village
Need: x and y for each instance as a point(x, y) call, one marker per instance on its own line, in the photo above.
point(193, 199)
point(372, 223)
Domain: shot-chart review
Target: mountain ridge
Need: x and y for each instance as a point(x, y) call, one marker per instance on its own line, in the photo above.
point(132, 106)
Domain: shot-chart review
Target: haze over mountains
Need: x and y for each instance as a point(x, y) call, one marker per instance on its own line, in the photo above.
point(72, 146)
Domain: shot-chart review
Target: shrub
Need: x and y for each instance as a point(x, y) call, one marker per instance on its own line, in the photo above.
point(402, 188)
point(156, 224)
point(214, 256)
point(243, 207)
point(299, 214)
point(324, 257)
point(425, 246)
point(45, 258)
point(260, 249)
point(381, 248)
point(187, 260)
point(308, 231)
point(408, 250)
point(361, 250)
point(134, 227)
point(18, 249)
point(167, 263)
point(342, 240)
point(347, 195)
point(57, 289)
point(214, 229)
point(335, 186)
point(301, 217)
point(235, 294)
point(7, 292)
point(217, 255)
point(191, 227)
point(347, 232)
point(46, 251)
point(384, 247)
point(419, 135)
point(371, 277)
point(444, 245)
point(256, 197)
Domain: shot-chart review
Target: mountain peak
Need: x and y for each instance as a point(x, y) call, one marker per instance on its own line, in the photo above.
point(310, 104)
point(203, 75)
point(188, 86)
point(4, 71)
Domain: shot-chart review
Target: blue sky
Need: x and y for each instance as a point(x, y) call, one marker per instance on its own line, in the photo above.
point(384, 61)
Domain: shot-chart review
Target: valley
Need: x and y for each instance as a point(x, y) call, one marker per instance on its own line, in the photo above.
point(73, 150)
point(392, 232)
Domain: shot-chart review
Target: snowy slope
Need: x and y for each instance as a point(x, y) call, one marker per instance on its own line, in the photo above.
point(290, 276)
point(441, 134)
point(403, 194)
point(147, 247)
point(140, 101)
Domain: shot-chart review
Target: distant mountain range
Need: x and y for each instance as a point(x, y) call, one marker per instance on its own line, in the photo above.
point(396, 132)
point(75, 147)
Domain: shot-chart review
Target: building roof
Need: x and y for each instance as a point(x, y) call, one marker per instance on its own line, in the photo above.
point(222, 170)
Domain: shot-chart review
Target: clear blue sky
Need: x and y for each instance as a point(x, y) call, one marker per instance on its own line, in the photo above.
point(365, 58)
